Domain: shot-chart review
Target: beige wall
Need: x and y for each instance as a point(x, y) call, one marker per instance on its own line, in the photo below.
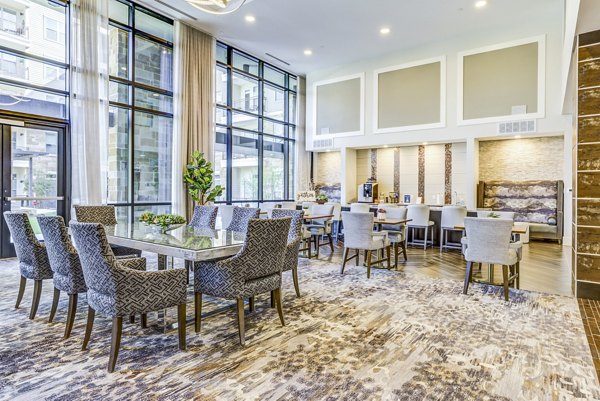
point(522, 159)
point(363, 166)
point(495, 81)
point(409, 96)
point(338, 107)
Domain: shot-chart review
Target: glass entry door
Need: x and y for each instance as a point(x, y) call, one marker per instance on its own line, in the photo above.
point(33, 175)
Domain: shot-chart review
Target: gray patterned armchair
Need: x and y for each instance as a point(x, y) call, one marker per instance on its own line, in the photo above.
point(241, 216)
point(290, 260)
point(64, 261)
point(117, 290)
point(204, 217)
point(32, 256)
point(255, 269)
point(105, 215)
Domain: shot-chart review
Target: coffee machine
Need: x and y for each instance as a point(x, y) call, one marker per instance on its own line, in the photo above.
point(367, 192)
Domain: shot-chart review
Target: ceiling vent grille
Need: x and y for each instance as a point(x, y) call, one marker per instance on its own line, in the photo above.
point(326, 143)
point(517, 127)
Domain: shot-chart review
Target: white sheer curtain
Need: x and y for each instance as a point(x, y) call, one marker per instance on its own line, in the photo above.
point(194, 110)
point(89, 102)
point(302, 156)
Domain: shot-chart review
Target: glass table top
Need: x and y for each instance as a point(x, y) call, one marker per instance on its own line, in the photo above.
point(184, 237)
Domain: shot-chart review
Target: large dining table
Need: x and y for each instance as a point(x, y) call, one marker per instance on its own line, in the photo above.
point(185, 242)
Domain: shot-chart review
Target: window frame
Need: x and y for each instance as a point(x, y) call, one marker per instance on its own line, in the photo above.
point(131, 106)
point(289, 127)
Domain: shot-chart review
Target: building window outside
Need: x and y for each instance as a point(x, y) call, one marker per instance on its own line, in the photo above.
point(256, 125)
point(54, 31)
point(140, 137)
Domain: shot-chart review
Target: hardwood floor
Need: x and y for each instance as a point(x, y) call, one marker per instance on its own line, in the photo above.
point(545, 266)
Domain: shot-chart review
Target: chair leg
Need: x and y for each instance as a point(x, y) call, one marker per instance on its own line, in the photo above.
point(88, 327)
point(309, 248)
point(143, 320)
point(441, 239)
point(181, 326)
point(198, 311)
point(387, 251)
point(295, 278)
point(71, 312)
point(357, 257)
point(55, 299)
point(518, 275)
point(468, 274)
point(330, 242)
point(395, 254)
point(346, 251)
point(369, 264)
point(115, 342)
point(318, 244)
point(272, 305)
point(240, 316)
point(251, 304)
point(425, 240)
point(404, 251)
point(132, 319)
point(277, 296)
point(21, 291)
point(37, 292)
point(187, 268)
point(505, 279)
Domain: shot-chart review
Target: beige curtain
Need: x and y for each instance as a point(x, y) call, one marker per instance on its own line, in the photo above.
point(302, 156)
point(193, 106)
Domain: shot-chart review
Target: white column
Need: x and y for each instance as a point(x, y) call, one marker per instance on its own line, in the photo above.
point(348, 176)
point(472, 172)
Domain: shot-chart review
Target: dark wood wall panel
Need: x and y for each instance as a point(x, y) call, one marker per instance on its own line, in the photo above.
point(589, 52)
point(588, 240)
point(588, 129)
point(588, 212)
point(588, 157)
point(588, 268)
point(588, 185)
point(589, 73)
point(589, 101)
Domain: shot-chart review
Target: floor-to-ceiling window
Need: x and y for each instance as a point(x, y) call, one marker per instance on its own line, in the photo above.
point(139, 148)
point(256, 127)
point(34, 110)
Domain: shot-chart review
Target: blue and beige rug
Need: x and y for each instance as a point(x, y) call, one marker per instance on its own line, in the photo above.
point(395, 336)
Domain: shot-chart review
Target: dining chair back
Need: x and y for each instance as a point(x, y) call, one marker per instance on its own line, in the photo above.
point(290, 259)
point(360, 207)
point(241, 216)
point(452, 216)
point(65, 264)
point(289, 205)
point(225, 214)
point(204, 217)
point(31, 254)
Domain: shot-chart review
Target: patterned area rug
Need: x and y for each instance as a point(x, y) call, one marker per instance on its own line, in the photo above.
point(395, 336)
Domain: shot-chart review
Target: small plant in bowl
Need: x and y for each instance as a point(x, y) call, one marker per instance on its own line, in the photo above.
point(166, 222)
point(147, 217)
point(321, 199)
point(493, 215)
point(381, 214)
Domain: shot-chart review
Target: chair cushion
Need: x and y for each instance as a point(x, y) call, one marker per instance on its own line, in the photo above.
point(508, 258)
point(542, 228)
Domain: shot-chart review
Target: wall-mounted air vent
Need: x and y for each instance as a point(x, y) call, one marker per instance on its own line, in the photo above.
point(517, 127)
point(325, 143)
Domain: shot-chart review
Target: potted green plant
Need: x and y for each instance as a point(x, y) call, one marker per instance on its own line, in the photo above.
point(198, 176)
point(321, 198)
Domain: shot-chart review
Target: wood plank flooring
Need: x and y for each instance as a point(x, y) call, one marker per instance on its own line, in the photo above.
point(545, 267)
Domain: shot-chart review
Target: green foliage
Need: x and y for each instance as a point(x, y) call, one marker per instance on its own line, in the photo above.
point(322, 197)
point(198, 177)
point(162, 220)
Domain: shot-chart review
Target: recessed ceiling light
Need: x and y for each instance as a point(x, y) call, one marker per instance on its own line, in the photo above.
point(307, 52)
point(385, 146)
point(328, 150)
point(424, 143)
point(480, 3)
point(517, 136)
point(384, 31)
point(250, 18)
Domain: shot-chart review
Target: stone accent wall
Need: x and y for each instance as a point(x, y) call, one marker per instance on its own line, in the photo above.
point(448, 173)
point(422, 172)
point(522, 159)
point(329, 175)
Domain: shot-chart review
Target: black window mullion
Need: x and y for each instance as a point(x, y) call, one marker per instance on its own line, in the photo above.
point(229, 142)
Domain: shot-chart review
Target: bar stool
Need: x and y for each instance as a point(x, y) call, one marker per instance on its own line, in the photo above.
point(452, 216)
point(419, 216)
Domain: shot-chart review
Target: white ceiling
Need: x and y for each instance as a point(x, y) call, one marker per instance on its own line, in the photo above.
point(343, 31)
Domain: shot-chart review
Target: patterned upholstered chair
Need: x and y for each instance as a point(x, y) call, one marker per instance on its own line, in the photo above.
point(293, 244)
point(241, 216)
point(254, 270)
point(105, 215)
point(116, 290)
point(204, 217)
point(64, 261)
point(32, 256)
